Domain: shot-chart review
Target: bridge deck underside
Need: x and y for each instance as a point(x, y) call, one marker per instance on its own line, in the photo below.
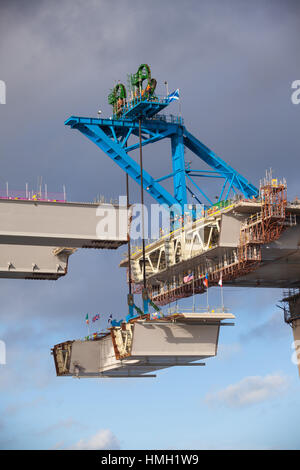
point(280, 268)
point(275, 264)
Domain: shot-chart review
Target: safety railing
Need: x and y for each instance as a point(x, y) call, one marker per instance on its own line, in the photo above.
point(170, 118)
point(177, 309)
point(32, 195)
point(135, 100)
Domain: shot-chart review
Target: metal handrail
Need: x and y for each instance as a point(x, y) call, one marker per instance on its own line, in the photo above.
point(178, 309)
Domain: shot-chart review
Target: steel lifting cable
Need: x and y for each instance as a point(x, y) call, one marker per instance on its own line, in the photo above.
point(128, 235)
point(142, 203)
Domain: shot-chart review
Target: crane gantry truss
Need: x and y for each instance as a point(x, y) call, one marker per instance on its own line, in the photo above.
point(112, 137)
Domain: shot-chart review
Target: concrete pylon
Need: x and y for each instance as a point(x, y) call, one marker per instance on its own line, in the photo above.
point(296, 333)
point(292, 317)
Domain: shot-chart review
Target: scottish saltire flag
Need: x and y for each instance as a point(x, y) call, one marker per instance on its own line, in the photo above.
point(205, 280)
point(188, 278)
point(173, 96)
point(109, 319)
point(96, 317)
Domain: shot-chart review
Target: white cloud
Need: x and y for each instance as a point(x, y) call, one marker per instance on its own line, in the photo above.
point(63, 424)
point(273, 327)
point(250, 390)
point(227, 351)
point(103, 439)
point(15, 408)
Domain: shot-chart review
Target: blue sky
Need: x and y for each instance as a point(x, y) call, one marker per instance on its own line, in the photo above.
point(234, 64)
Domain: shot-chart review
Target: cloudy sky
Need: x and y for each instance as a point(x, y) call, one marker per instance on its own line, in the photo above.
point(234, 63)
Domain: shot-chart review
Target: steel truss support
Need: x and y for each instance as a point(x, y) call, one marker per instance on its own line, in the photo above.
point(112, 136)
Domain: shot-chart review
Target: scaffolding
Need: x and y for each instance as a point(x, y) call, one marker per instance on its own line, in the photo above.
point(264, 226)
point(290, 301)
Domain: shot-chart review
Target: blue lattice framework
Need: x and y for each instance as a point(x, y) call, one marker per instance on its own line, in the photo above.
point(112, 136)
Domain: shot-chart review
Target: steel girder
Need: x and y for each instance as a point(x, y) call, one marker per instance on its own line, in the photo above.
point(112, 136)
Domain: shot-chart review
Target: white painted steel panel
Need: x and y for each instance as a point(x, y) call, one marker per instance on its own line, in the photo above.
point(85, 356)
point(230, 231)
point(174, 339)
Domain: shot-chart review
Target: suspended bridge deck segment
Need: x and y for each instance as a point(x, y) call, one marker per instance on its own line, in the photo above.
point(141, 347)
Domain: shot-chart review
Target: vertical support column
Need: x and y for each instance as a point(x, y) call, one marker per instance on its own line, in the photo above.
point(292, 317)
point(296, 333)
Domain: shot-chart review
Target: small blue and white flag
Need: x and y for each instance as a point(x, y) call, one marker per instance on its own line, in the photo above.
point(173, 96)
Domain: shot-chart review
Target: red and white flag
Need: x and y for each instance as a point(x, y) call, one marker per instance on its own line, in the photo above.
point(188, 278)
point(220, 281)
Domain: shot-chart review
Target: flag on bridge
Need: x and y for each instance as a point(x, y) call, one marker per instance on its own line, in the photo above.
point(96, 317)
point(87, 319)
point(205, 280)
point(188, 278)
point(173, 96)
point(156, 315)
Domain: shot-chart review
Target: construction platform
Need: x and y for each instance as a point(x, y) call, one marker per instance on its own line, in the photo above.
point(142, 346)
point(249, 243)
point(144, 108)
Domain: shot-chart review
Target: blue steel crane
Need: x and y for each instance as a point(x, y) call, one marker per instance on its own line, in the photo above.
point(138, 115)
point(111, 136)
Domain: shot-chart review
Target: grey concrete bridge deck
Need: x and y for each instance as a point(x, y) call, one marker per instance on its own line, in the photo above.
point(60, 224)
point(37, 237)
